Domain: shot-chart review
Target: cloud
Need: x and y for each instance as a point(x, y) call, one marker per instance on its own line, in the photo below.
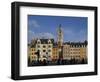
point(33, 23)
point(33, 35)
point(31, 32)
point(30, 35)
point(44, 35)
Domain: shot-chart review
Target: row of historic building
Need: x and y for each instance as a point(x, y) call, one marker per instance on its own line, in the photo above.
point(50, 50)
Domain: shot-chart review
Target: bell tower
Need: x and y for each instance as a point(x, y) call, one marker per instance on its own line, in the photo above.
point(60, 42)
point(60, 36)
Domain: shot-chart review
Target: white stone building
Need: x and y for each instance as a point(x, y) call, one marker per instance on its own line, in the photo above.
point(45, 47)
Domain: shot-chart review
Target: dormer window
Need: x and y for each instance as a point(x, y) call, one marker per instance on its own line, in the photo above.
point(38, 42)
point(49, 42)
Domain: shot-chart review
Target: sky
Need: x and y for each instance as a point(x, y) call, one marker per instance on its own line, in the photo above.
point(74, 28)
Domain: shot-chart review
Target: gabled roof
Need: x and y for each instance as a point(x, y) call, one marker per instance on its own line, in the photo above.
point(45, 41)
point(76, 44)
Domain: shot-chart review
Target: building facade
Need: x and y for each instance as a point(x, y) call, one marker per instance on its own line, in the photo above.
point(31, 52)
point(66, 51)
point(74, 50)
point(55, 54)
point(44, 46)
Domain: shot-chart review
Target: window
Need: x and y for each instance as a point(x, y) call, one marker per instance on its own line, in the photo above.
point(44, 50)
point(38, 42)
point(44, 46)
point(49, 50)
point(49, 42)
point(38, 46)
point(32, 49)
point(34, 57)
point(49, 46)
point(44, 56)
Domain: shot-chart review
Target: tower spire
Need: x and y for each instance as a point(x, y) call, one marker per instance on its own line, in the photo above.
point(60, 42)
point(60, 35)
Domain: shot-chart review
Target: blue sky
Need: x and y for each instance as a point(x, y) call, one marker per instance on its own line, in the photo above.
point(74, 28)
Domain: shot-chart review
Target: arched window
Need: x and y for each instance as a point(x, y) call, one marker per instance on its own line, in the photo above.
point(49, 50)
point(44, 50)
point(38, 46)
point(49, 46)
point(49, 41)
point(44, 46)
point(38, 41)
